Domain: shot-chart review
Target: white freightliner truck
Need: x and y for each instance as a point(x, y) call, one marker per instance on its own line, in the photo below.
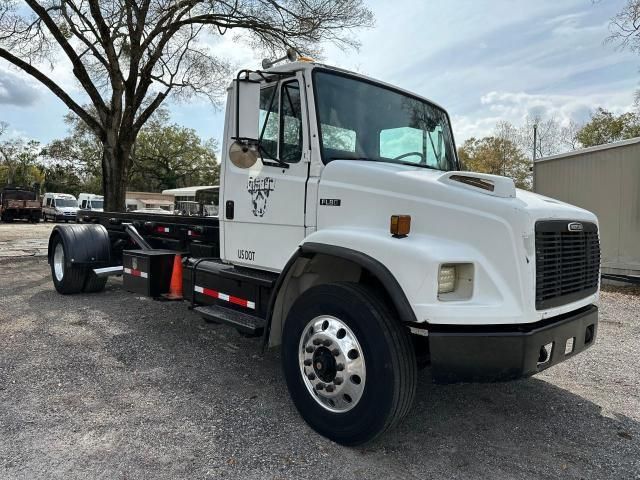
point(349, 237)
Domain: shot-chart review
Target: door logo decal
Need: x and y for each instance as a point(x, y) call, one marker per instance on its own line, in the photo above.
point(259, 189)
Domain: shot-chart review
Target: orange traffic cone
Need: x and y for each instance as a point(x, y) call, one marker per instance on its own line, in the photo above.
point(175, 288)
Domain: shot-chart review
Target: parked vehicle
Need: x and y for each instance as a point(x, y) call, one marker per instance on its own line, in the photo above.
point(88, 205)
point(59, 207)
point(90, 201)
point(19, 203)
point(154, 211)
point(349, 237)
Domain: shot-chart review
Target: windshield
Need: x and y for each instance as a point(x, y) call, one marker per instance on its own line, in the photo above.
point(66, 202)
point(96, 203)
point(360, 120)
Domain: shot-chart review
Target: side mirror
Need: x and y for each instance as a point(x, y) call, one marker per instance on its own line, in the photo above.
point(243, 152)
point(247, 110)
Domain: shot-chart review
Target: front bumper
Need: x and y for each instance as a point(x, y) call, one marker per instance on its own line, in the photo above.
point(499, 353)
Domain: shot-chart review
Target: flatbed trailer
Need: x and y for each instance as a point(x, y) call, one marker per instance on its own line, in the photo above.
point(348, 236)
point(198, 236)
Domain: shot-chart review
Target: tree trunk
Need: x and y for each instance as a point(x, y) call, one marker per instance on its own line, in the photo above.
point(115, 164)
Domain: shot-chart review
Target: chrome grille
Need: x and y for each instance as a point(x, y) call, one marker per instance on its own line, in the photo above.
point(567, 262)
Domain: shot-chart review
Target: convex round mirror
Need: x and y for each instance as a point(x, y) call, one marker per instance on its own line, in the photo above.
point(242, 155)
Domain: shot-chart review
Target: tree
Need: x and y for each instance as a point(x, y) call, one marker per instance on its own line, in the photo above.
point(170, 156)
point(60, 177)
point(605, 127)
point(129, 56)
point(549, 139)
point(18, 160)
point(569, 135)
point(77, 155)
point(165, 155)
point(625, 31)
point(497, 156)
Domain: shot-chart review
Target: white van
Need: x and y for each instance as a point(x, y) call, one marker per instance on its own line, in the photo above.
point(59, 207)
point(90, 201)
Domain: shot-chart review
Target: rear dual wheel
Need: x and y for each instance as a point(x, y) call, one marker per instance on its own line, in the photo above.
point(69, 278)
point(349, 364)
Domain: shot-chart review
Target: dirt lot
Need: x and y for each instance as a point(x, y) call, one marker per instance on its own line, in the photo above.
point(112, 385)
point(21, 239)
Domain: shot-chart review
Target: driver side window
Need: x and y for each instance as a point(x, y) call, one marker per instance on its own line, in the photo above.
point(280, 120)
point(269, 121)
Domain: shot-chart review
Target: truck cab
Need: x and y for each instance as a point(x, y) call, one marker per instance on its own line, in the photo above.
point(348, 235)
point(341, 156)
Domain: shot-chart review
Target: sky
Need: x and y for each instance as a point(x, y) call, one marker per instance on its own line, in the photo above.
point(484, 61)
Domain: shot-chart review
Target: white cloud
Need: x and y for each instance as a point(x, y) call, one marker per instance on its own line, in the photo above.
point(15, 91)
point(516, 106)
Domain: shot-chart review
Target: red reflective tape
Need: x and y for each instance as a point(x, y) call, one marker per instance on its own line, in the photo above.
point(224, 297)
point(210, 293)
point(135, 273)
point(238, 301)
point(163, 229)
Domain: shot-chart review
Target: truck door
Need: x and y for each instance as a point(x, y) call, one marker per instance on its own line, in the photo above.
point(263, 207)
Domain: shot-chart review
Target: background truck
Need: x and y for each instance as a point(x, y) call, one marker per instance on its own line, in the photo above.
point(349, 237)
point(19, 203)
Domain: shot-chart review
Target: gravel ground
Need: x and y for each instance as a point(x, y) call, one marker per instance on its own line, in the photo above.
point(112, 385)
point(21, 239)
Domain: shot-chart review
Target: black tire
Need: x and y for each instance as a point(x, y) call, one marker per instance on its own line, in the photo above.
point(73, 278)
point(389, 357)
point(93, 283)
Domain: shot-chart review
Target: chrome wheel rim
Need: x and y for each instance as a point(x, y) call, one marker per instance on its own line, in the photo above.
point(58, 262)
point(332, 364)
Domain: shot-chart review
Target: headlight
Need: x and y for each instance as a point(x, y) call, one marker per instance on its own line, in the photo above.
point(447, 279)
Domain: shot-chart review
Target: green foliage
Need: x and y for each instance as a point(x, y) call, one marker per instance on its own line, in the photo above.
point(19, 161)
point(165, 155)
point(605, 127)
point(497, 156)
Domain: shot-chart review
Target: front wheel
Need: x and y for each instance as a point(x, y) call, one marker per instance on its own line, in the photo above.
point(349, 364)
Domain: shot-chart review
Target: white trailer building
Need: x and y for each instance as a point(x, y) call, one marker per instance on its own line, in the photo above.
point(605, 180)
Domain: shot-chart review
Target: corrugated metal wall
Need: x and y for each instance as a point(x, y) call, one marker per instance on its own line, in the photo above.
point(607, 182)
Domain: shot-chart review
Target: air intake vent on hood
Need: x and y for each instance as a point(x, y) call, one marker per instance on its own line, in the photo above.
point(473, 181)
point(493, 185)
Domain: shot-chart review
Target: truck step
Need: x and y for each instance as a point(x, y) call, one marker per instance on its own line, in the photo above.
point(244, 323)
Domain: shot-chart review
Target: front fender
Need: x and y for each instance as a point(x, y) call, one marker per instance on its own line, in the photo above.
point(414, 262)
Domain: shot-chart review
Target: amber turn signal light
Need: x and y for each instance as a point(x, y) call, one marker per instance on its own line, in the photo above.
point(400, 225)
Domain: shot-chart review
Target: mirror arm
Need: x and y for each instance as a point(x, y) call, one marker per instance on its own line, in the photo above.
point(276, 161)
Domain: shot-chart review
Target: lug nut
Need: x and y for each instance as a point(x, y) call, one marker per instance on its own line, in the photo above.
point(317, 341)
point(327, 342)
point(309, 349)
point(339, 367)
point(330, 388)
point(311, 376)
point(335, 352)
point(320, 386)
point(307, 362)
point(337, 380)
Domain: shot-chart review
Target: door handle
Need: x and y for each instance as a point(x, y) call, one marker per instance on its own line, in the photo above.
point(229, 210)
